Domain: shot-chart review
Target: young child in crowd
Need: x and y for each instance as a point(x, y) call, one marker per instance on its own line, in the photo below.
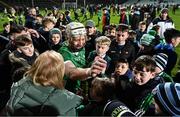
point(141, 30)
point(6, 30)
point(142, 84)
point(161, 62)
point(55, 37)
point(166, 99)
point(23, 57)
point(103, 101)
point(112, 32)
point(121, 47)
point(48, 23)
point(145, 44)
point(132, 39)
point(122, 68)
point(172, 37)
point(102, 90)
point(102, 46)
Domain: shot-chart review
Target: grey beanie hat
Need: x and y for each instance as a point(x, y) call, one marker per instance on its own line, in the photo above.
point(54, 31)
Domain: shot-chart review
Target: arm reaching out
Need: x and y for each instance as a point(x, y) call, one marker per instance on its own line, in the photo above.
point(75, 73)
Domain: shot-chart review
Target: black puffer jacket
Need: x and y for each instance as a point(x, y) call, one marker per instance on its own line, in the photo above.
point(115, 53)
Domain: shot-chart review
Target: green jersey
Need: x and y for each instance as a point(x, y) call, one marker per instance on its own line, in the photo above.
point(78, 59)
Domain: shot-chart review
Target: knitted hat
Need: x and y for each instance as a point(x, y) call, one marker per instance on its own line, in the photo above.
point(161, 60)
point(90, 23)
point(116, 108)
point(54, 31)
point(167, 96)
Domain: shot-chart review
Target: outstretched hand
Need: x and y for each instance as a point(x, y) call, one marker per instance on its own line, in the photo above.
point(34, 33)
point(98, 66)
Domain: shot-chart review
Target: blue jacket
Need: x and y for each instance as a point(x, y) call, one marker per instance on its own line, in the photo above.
point(168, 49)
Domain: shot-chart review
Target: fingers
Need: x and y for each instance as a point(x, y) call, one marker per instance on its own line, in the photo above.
point(33, 33)
point(98, 66)
point(95, 71)
point(101, 63)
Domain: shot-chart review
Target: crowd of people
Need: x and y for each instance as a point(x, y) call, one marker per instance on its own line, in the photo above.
point(55, 65)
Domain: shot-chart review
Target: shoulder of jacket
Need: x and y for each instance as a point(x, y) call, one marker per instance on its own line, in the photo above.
point(13, 58)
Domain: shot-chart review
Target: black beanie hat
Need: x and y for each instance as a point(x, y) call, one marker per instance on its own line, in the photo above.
point(116, 108)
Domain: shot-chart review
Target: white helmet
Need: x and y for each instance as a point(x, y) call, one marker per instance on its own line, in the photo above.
point(75, 28)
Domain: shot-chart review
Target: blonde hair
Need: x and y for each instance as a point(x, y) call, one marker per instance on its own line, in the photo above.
point(103, 40)
point(47, 20)
point(48, 70)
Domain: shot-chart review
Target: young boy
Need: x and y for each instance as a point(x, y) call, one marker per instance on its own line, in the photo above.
point(145, 43)
point(55, 37)
point(6, 30)
point(161, 62)
point(122, 68)
point(23, 57)
point(102, 90)
point(121, 47)
point(141, 30)
point(142, 84)
point(166, 99)
point(102, 46)
point(103, 102)
point(172, 37)
point(132, 39)
point(112, 32)
point(48, 23)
